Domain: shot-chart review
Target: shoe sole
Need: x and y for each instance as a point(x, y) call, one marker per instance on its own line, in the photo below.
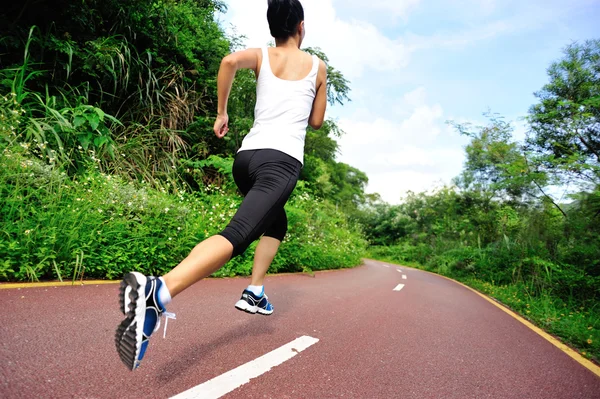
point(246, 307)
point(129, 334)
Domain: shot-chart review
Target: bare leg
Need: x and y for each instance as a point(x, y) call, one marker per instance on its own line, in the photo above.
point(263, 256)
point(206, 258)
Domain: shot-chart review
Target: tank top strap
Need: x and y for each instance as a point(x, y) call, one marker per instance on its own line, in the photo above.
point(315, 67)
point(265, 66)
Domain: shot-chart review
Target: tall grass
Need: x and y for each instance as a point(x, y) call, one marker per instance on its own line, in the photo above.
point(144, 140)
point(95, 225)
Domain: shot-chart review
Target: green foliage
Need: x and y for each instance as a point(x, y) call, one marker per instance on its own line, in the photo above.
point(10, 119)
point(212, 171)
point(496, 164)
point(100, 226)
point(70, 135)
point(338, 87)
point(151, 64)
point(565, 124)
point(386, 224)
point(467, 235)
point(404, 253)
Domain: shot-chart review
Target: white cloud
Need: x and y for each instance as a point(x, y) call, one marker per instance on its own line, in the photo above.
point(414, 153)
point(415, 98)
point(424, 125)
point(393, 186)
point(338, 38)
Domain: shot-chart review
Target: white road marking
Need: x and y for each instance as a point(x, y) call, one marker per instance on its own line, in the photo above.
point(225, 383)
point(404, 277)
point(385, 265)
point(399, 287)
point(399, 271)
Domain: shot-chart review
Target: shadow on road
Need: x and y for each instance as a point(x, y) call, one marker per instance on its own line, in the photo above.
point(256, 325)
point(188, 357)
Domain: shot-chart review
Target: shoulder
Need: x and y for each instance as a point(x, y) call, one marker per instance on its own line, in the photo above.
point(321, 72)
point(252, 52)
point(322, 66)
point(248, 52)
point(247, 55)
point(256, 51)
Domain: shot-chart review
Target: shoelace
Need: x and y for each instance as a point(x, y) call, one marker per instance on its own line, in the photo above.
point(168, 315)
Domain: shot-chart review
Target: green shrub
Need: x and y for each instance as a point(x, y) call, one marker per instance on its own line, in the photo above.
point(456, 261)
point(50, 221)
point(403, 253)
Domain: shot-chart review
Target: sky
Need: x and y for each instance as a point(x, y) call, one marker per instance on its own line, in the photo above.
point(414, 65)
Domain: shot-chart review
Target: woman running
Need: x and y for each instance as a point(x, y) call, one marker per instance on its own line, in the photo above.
point(291, 94)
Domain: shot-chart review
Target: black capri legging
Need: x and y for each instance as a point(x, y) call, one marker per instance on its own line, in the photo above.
point(266, 178)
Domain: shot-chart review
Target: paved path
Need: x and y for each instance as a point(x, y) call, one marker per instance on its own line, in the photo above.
point(430, 338)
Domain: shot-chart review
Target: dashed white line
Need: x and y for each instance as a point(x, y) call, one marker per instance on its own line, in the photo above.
point(399, 287)
point(225, 383)
point(399, 271)
point(404, 277)
point(385, 265)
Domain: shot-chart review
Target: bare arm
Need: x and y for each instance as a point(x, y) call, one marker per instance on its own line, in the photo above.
point(246, 59)
point(317, 114)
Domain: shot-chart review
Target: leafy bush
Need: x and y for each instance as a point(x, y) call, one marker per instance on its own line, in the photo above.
point(403, 253)
point(100, 226)
point(460, 261)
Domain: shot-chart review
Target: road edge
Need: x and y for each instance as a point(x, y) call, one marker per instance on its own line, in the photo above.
point(554, 341)
point(12, 286)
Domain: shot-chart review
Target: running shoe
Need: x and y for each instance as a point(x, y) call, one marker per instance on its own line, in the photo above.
point(138, 299)
point(251, 303)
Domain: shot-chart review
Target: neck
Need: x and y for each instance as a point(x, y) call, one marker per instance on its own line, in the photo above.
point(290, 42)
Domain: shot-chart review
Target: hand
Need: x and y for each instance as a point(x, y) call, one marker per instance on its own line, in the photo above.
point(221, 125)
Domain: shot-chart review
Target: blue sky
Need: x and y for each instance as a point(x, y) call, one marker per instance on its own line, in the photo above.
point(414, 64)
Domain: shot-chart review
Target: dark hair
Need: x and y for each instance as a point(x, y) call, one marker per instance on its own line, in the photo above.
point(284, 16)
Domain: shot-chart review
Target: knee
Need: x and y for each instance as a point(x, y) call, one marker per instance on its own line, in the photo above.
point(278, 229)
point(240, 236)
point(239, 242)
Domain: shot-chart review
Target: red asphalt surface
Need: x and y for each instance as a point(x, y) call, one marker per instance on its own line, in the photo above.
point(432, 339)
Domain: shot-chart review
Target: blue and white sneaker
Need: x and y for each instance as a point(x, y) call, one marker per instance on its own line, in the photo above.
point(138, 299)
point(251, 303)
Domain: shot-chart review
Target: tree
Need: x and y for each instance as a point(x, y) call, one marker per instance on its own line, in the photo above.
point(495, 164)
point(337, 85)
point(565, 124)
point(386, 224)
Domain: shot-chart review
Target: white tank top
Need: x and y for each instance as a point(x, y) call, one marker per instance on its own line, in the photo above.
point(282, 111)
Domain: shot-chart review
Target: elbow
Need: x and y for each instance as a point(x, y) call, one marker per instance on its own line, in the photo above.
point(315, 123)
point(316, 126)
point(229, 62)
